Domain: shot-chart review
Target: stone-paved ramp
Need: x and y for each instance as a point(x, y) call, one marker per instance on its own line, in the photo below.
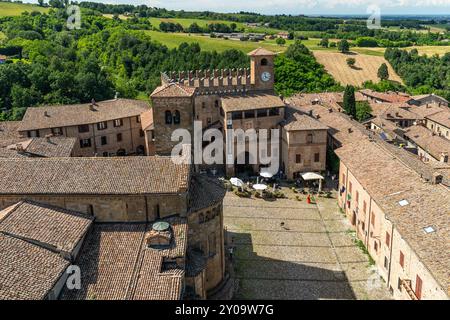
point(311, 257)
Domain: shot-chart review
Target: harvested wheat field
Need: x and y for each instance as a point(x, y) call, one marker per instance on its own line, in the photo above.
point(365, 69)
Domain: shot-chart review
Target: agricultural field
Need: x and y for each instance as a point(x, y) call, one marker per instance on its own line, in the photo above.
point(173, 40)
point(366, 67)
point(15, 9)
point(428, 50)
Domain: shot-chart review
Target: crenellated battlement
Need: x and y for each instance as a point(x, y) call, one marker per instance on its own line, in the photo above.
point(207, 81)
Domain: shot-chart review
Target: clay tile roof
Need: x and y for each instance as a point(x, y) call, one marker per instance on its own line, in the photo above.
point(297, 122)
point(9, 133)
point(28, 272)
point(128, 175)
point(442, 118)
point(77, 114)
point(261, 52)
point(54, 227)
point(431, 143)
point(425, 111)
point(43, 147)
point(173, 90)
point(428, 204)
point(116, 264)
point(392, 97)
point(147, 120)
point(205, 192)
point(251, 102)
point(7, 153)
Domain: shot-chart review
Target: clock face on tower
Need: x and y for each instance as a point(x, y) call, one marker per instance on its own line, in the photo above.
point(265, 76)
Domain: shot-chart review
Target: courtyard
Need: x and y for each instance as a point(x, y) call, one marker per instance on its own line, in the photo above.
point(288, 249)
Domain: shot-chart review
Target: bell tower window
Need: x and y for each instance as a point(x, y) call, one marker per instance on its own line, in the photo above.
point(176, 117)
point(168, 117)
point(264, 62)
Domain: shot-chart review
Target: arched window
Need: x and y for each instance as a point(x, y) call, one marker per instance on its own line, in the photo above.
point(168, 117)
point(264, 62)
point(176, 117)
point(216, 103)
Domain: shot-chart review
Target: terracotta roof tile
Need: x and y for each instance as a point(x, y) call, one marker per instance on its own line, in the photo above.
point(428, 205)
point(261, 52)
point(51, 226)
point(147, 120)
point(128, 175)
point(116, 264)
point(57, 147)
point(431, 143)
point(78, 114)
point(173, 90)
point(28, 272)
point(296, 122)
point(251, 101)
point(442, 118)
point(9, 133)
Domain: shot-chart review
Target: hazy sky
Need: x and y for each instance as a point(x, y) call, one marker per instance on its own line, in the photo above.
point(300, 6)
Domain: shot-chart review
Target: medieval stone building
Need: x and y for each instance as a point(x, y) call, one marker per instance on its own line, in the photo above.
point(234, 99)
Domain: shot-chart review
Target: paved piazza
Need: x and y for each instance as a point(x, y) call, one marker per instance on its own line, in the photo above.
point(311, 256)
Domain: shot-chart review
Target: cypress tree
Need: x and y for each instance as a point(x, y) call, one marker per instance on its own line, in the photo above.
point(349, 101)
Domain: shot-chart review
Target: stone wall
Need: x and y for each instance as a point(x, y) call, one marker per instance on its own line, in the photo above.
point(121, 208)
point(163, 131)
point(207, 235)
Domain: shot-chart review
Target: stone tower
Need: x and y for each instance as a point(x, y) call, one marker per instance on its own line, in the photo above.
point(262, 69)
point(173, 108)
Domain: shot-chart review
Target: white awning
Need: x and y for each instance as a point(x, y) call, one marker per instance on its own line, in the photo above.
point(311, 176)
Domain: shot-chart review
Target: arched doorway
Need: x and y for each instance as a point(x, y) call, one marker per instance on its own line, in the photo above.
point(245, 168)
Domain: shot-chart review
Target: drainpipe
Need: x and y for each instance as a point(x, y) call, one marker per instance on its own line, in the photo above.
point(390, 256)
point(368, 224)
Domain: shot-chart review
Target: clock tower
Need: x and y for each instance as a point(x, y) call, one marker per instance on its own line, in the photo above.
point(262, 69)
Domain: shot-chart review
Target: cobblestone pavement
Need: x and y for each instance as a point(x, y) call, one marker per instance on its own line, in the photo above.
point(311, 256)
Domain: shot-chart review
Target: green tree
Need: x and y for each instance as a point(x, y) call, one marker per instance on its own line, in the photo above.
point(383, 72)
point(363, 111)
point(324, 43)
point(343, 46)
point(280, 41)
point(351, 62)
point(350, 101)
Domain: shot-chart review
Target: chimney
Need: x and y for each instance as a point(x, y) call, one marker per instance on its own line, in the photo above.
point(330, 110)
point(350, 130)
point(46, 114)
point(437, 178)
point(310, 113)
point(19, 147)
point(92, 105)
point(444, 157)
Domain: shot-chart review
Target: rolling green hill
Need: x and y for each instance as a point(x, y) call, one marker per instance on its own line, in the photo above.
point(15, 9)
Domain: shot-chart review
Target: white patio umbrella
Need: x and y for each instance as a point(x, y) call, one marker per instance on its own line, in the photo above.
point(266, 174)
point(259, 187)
point(313, 176)
point(237, 182)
